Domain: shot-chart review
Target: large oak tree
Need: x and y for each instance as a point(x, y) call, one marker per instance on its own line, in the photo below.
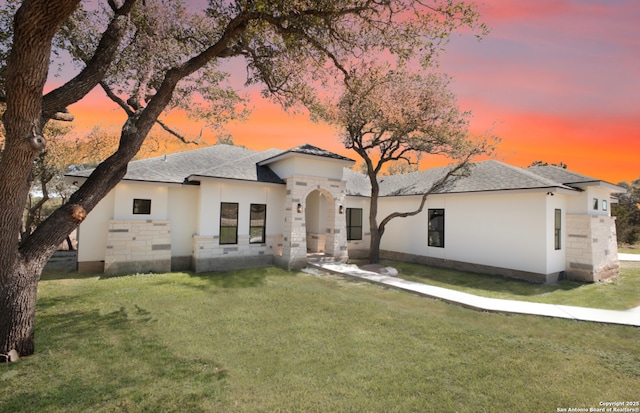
point(293, 48)
point(393, 117)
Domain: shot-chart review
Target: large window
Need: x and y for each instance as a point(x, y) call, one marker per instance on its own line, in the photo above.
point(257, 223)
point(354, 223)
point(436, 228)
point(557, 226)
point(228, 223)
point(142, 206)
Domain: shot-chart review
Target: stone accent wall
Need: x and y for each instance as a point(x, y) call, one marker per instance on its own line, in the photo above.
point(592, 249)
point(138, 247)
point(209, 255)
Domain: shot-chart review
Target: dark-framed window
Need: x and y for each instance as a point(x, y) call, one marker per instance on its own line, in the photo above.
point(257, 223)
point(605, 205)
point(228, 223)
point(354, 223)
point(142, 206)
point(557, 229)
point(595, 204)
point(436, 228)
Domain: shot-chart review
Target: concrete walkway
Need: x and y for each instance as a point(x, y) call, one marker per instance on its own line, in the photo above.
point(629, 317)
point(629, 257)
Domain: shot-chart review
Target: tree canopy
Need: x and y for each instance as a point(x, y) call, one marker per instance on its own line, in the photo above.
point(152, 55)
point(392, 117)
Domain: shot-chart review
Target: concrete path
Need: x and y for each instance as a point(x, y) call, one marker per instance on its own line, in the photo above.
point(629, 257)
point(629, 317)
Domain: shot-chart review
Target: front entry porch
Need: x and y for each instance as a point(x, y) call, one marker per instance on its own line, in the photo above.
point(314, 221)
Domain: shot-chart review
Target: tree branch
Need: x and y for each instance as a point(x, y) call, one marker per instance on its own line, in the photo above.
point(71, 92)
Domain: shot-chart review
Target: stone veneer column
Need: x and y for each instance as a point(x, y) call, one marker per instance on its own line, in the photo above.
point(294, 249)
point(592, 249)
point(138, 247)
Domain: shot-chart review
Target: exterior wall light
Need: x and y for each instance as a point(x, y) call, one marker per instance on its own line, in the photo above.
point(299, 208)
point(341, 209)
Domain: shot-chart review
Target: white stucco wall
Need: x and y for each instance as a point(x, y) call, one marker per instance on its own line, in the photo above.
point(308, 166)
point(507, 230)
point(125, 193)
point(212, 193)
point(92, 234)
point(583, 202)
point(183, 208)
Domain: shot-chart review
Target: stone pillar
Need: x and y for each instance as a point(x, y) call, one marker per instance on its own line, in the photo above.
point(336, 223)
point(592, 249)
point(294, 248)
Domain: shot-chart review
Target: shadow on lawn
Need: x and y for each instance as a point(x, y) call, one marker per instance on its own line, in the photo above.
point(87, 361)
point(246, 278)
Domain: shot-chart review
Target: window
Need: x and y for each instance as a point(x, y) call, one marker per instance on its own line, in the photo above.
point(228, 223)
point(436, 228)
point(604, 205)
point(258, 218)
point(142, 206)
point(595, 204)
point(558, 229)
point(354, 223)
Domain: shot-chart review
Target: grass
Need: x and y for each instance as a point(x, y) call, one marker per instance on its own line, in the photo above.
point(272, 341)
point(629, 249)
point(622, 293)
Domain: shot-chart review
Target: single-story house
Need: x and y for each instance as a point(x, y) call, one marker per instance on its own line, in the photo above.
point(224, 207)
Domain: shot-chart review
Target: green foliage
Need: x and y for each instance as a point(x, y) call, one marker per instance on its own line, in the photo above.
point(268, 340)
point(541, 163)
point(627, 213)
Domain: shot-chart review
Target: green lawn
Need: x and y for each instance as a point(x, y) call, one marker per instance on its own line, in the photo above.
point(629, 249)
point(622, 293)
point(272, 341)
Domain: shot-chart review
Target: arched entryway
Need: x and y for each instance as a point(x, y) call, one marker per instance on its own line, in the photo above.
point(316, 219)
point(319, 200)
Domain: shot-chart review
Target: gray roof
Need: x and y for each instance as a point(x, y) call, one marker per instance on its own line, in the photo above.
point(481, 177)
point(561, 175)
point(239, 163)
point(217, 161)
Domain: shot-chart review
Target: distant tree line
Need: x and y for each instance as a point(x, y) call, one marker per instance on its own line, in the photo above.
point(627, 212)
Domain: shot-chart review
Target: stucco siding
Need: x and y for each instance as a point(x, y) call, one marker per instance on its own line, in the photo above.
point(183, 211)
point(125, 193)
point(307, 166)
point(92, 234)
point(508, 230)
point(213, 193)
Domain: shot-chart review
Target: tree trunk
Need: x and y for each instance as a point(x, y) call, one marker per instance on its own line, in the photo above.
point(17, 310)
point(27, 67)
point(376, 234)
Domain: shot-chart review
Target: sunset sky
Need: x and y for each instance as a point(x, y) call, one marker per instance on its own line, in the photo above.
point(557, 80)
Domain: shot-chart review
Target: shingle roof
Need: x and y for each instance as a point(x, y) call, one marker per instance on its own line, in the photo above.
point(221, 161)
point(236, 162)
point(482, 176)
point(558, 174)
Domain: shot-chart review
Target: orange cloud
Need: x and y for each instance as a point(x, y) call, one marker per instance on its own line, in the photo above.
point(604, 147)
